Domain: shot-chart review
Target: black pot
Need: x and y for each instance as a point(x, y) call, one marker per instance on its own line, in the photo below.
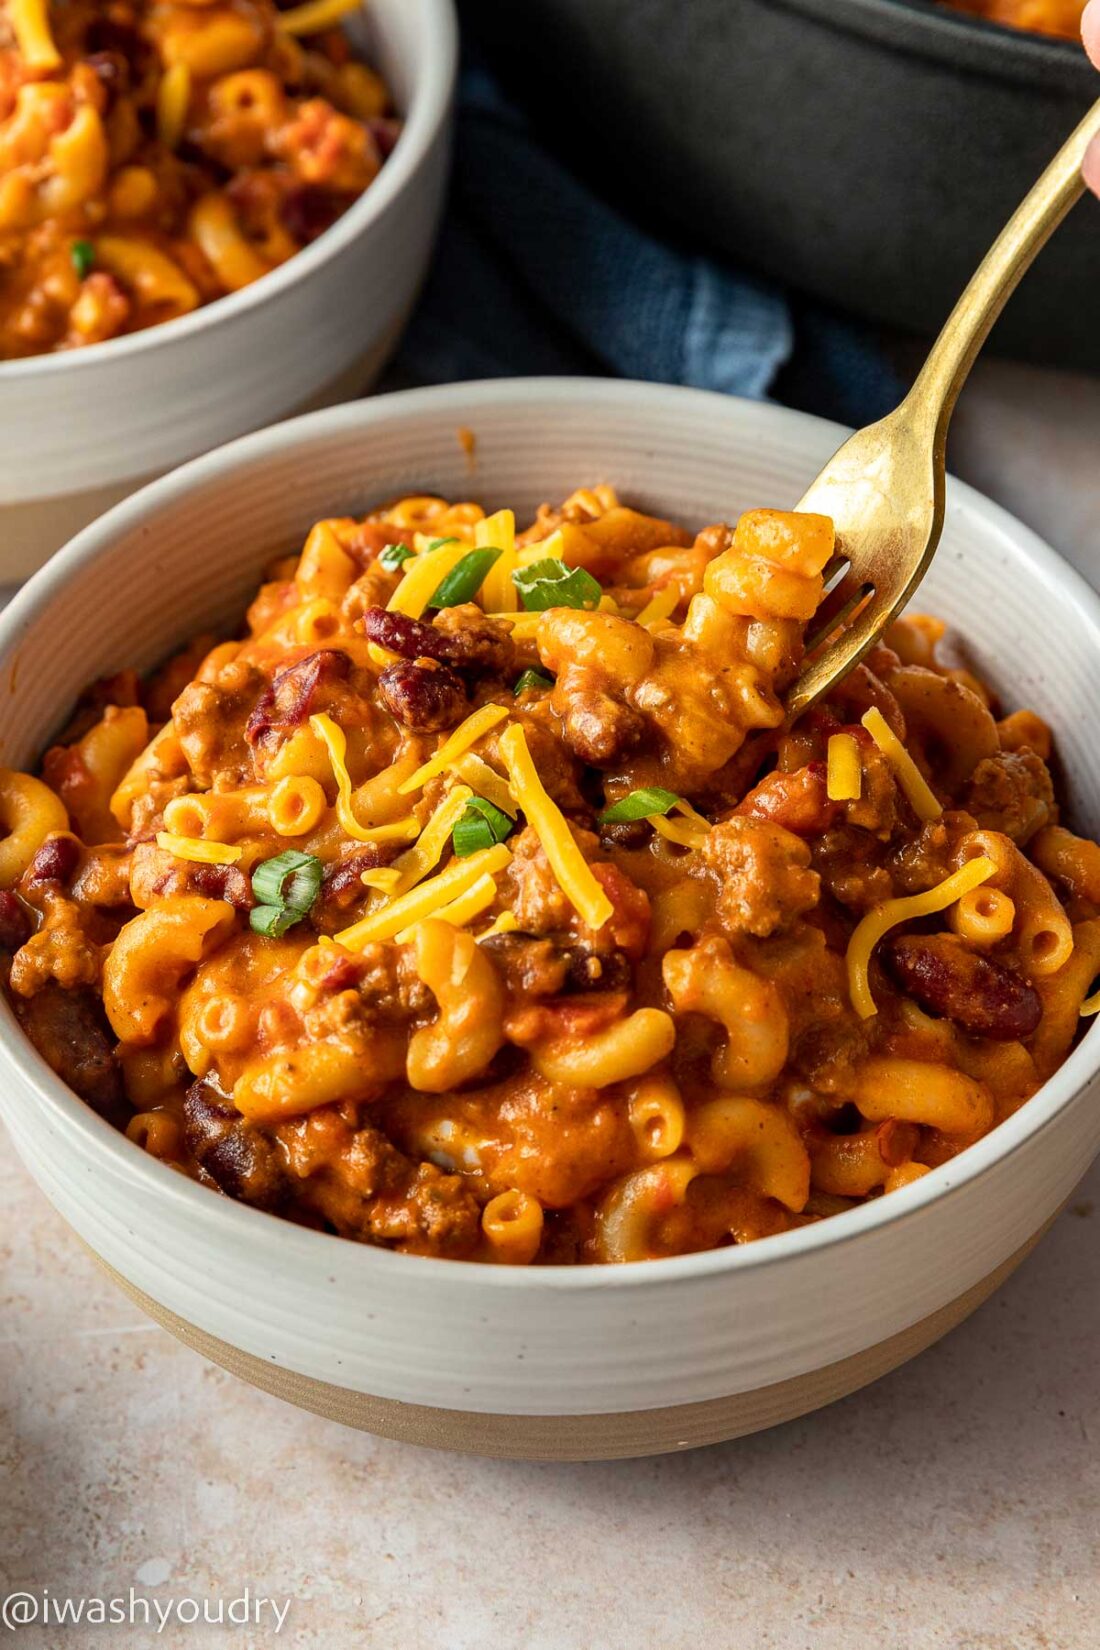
point(864, 151)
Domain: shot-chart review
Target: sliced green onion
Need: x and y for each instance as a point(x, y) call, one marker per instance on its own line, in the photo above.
point(394, 556)
point(550, 583)
point(292, 879)
point(82, 254)
point(639, 805)
point(464, 580)
point(273, 920)
point(533, 681)
point(482, 825)
point(437, 544)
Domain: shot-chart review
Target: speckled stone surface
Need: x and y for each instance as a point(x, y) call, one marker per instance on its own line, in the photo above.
point(953, 1506)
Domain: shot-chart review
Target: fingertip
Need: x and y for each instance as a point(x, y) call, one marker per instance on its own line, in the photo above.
point(1091, 167)
point(1090, 30)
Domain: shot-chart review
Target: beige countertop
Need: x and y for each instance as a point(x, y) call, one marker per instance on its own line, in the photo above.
point(955, 1504)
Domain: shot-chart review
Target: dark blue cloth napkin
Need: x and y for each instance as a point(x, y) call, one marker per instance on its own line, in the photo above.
point(536, 274)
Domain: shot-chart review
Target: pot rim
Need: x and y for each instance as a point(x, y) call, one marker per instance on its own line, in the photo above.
point(923, 28)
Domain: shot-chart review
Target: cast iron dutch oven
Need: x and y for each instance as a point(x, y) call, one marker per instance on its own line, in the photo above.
point(865, 151)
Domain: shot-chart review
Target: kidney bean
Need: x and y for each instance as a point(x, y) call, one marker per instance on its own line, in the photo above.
point(385, 133)
point(290, 697)
point(409, 638)
point(112, 71)
point(237, 1156)
point(530, 966)
point(463, 637)
point(15, 922)
point(425, 697)
point(55, 861)
point(341, 886)
point(597, 970)
point(307, 212)
point(981, 996)
point(70, 1031)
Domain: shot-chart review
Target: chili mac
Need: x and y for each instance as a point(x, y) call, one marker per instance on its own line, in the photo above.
point(158, 154)
point(476, 901)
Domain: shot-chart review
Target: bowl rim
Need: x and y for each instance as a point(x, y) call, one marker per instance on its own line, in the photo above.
point(434, 73)
point(937, 30)
point(96, 1137)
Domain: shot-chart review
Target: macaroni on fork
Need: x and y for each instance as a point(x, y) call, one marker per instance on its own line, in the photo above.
point(476, 901)
point(158, 154)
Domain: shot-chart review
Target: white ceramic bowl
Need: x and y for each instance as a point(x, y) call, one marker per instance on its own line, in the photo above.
point(554, 1361)
point(84, 428)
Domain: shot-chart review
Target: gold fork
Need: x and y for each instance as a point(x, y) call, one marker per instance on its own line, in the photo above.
point(884, 489)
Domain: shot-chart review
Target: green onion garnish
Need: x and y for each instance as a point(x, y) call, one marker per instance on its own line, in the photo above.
point(291, 881)
point(464, 580)
point(437, 544)
point(82, 254)
point(639, 805)
point(273, 920)
point(533, 681)
point(394, 555)
point(550, 583)
point(481, 826)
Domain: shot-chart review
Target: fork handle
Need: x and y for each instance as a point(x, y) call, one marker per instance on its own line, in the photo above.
point(1024, 235)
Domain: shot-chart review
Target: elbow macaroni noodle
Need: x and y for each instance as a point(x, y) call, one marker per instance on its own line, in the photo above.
point(515, 930)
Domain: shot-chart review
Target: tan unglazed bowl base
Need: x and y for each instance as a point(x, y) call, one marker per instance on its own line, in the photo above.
point(583, 1437)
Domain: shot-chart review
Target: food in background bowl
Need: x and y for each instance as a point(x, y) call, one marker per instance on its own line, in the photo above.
point(477, 902)
point(1059, 17)
point(154, 157)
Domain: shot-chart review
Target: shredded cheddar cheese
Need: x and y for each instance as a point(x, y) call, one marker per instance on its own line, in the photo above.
point(384, 879)
point(574, 874)
point(882, 918)
point(844, 778)
point(549, 549)
point(425, 900)
point(506, 923)
point(173, 97)
point(462, 910)
point(485, 781)
point(466, 734)
point(422, 577)
point(690, 813)
point(499, 533)
point(413, 865)
point(335, 742)
point(660, 606)
point(315, 16)
point(202, 851)
point(395, 830)
point(682, 832)
point(908, 775)
point(31, 21)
